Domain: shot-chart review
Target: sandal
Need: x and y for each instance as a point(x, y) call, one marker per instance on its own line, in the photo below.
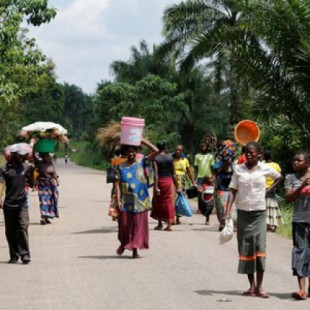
point(249, 292)
point(300, 295)
point(120, 250)
point(168, 229)
point(262, 294)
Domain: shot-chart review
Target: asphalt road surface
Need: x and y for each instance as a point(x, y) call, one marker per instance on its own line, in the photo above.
point(75, 266)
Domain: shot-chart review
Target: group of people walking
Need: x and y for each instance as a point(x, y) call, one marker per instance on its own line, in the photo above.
point(18, 175)
point(243, 192)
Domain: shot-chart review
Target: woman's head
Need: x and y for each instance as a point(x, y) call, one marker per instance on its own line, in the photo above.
point(301, 161)
point(203, 147)
point(253, 152)
point(161, 145)
point(179, 151)
point(267, 155)
point(131, 152)
point(46, 157)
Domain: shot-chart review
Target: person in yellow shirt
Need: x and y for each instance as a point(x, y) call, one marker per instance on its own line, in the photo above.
point(274, 217)
point(182, 169)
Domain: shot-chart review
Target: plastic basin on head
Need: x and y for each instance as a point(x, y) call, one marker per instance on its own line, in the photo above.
point(131, 130)
point(246, 131)
point(45, 146)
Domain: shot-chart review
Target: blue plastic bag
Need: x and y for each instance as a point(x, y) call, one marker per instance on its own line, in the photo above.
point(182, 206)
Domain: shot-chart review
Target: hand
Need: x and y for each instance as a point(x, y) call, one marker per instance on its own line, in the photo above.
point(120, 205)
point(1, 204)
point(179, 190)
point(226, 217)
point(157, 190)
point(306, 182)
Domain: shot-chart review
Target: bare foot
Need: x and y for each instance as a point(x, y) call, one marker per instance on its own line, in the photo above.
point(158, 227)
point(168, 228)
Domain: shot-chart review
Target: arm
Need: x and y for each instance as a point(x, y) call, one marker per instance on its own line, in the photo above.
point(30, 176)
point(174, 176)
point(152, 147)
point(155, 169)
point(56, 176)
point(231, 199)
point(291, 194)
point(190, 175)
point(274, 184)
point(118, 194)
point(1, 191)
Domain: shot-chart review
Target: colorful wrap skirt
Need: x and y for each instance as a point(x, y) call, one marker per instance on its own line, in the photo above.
point(48, 197)
point(163, 204)
point(251, 235)
point(301, 250)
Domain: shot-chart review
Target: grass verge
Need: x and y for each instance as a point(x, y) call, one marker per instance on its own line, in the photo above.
point(84, 154)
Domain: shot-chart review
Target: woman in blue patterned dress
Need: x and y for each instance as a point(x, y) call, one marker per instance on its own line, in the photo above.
point(133, 202)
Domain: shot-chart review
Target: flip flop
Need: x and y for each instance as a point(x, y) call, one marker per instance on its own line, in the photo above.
point(262, 294)
point(120, 250)
point(301, 295)
point(249, 292)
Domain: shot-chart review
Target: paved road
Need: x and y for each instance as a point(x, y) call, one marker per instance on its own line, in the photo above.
point(74, 265)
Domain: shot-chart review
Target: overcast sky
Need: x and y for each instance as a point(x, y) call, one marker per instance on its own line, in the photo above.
point(88, 35)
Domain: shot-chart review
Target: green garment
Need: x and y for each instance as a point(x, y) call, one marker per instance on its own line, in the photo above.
point(204, 162)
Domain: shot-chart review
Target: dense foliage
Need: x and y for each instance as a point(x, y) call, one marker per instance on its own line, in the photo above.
point(221, 61)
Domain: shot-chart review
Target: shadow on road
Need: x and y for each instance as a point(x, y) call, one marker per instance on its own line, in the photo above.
point(107, 257)
point(105, 230)
point(284, 296)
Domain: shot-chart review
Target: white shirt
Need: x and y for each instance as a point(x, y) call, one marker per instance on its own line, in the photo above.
point(251, 186)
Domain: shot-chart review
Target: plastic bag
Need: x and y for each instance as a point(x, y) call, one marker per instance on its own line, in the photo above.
point(182, 206)
point(227, 232)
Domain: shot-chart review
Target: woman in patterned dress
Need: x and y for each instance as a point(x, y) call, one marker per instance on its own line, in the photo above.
point(133, 202)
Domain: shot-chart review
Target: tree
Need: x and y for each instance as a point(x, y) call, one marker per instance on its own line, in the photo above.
point(20, 61)
point(210, 30)
point(179, 108)
point(78, 113)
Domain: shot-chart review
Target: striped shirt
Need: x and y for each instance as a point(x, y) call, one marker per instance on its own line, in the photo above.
point(301, 212)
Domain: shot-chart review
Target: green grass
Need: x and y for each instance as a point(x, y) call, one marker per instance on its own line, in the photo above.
point(84, 154)
point(287, 212)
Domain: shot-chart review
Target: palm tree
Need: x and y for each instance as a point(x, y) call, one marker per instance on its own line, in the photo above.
point(209, 29)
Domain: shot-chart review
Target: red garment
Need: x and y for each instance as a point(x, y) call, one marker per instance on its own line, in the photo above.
point(133, 230)
point(241, 159)
point(163, 204)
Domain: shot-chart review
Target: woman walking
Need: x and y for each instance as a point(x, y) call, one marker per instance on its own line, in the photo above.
point(133, 202)
point(163, 199)
point(223, 169)
point(182, 169)
point(48, 191)
point(248, 189)
point(297, 190)
point(274, 217)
